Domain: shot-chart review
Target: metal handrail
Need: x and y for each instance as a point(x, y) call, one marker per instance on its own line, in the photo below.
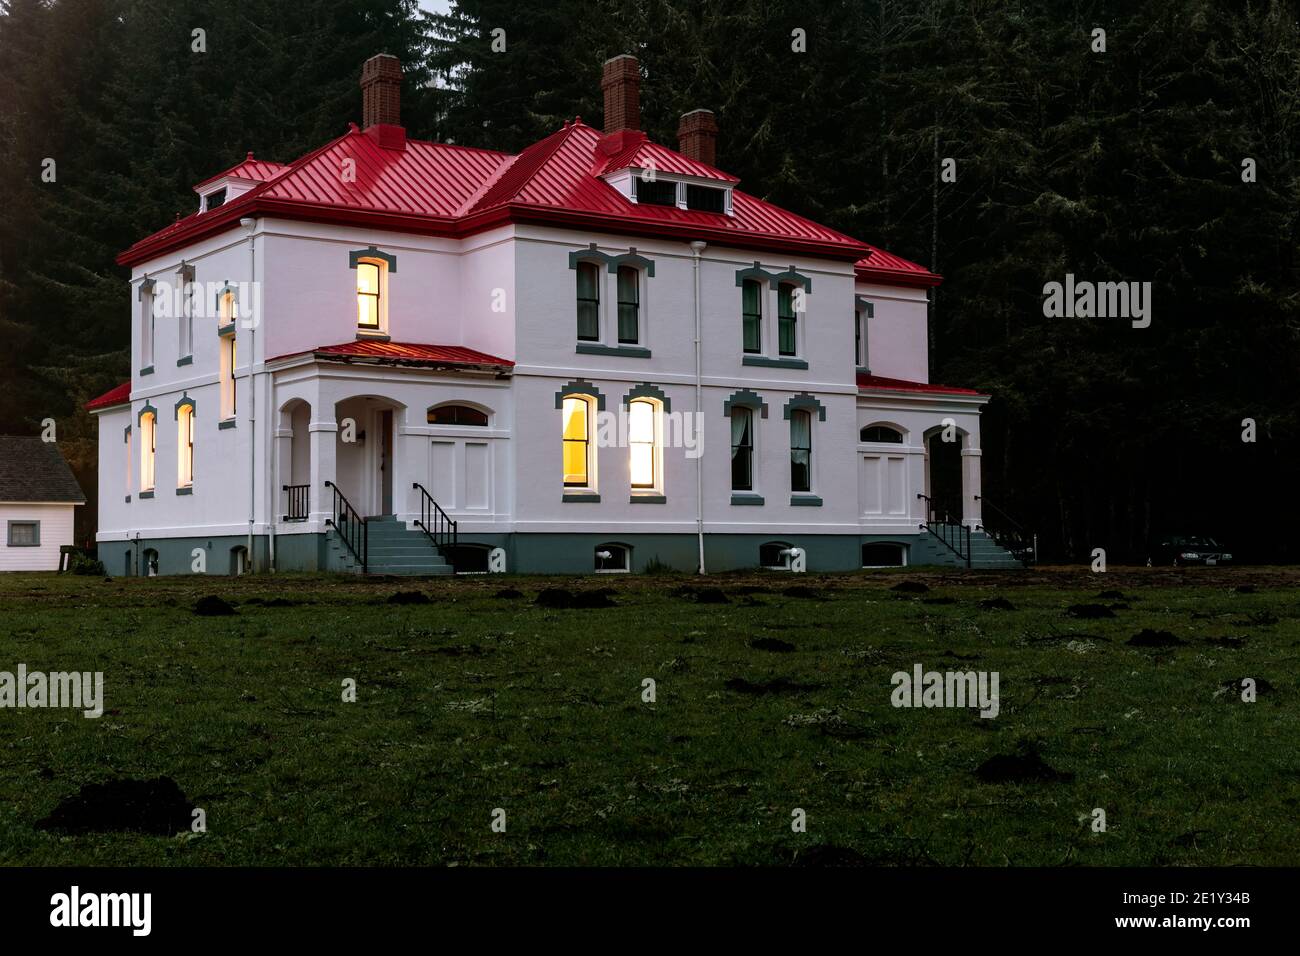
point(954, 534)
point(436, 523)
point(350, 525)
point(1012, 535)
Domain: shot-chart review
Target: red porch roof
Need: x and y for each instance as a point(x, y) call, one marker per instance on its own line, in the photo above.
point(114, 396)
point(885, 267)
point(405, 353)
point(877, 383)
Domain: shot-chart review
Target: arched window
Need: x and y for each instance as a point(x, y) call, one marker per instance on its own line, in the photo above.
point(468, 558)
point(239, 560)
point(629, 305)
point(577, 442)
point(185, 446)
point(786, 320)
point(369, 294)
point(588, 302)
point(150, 563)
point(148, 449)
point(456, 415)
point(880, 433)
point(742, 448)
point(643, 437)
point(800, 450)
point(751, 316)
point(613, 558)
point(774, 554)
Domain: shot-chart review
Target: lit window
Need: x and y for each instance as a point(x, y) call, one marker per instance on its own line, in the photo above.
point(786, 326)
point(742, 449)
point(642, 442)
point(801, 451)
point(752, 316)
point(185, 446)
point(368, 312)
point(148, 447)
point(577, 443)
point(229, 404)
point(629, 305)
point(227, 309)
point(588, 302)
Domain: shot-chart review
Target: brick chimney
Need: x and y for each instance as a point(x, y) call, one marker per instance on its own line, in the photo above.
point(697, 136)
point(621, 82)
point(381, 93)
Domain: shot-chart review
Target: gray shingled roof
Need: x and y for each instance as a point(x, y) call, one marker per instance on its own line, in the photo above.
point(34, 470)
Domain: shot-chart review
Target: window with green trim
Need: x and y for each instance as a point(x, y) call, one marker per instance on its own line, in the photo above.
point(751, 315)
point(629, 305)
point(800, 450)
point(742, 448)
point(787, 329)
point(588, 302)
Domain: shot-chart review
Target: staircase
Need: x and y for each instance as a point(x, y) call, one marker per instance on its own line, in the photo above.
point(393, 549)
point(985, 553)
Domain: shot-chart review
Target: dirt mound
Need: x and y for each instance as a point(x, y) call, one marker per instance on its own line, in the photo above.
point(996, 604)
point(802, 591)
point(911, 587)
point(1111, 595)
point(564, 599)
point(1089, 611)
point(1022, 767)
point(1149, 638)
point(771, 644)
point(408, 597)
point(509, 594)
point(139, 806)
point(212, 606)
point(1233, 642)
point(780, 685)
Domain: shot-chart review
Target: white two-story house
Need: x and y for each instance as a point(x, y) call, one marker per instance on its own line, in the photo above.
point(596, 355)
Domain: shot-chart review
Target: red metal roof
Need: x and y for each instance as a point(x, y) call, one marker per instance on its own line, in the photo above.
point(258, 170)
point(455, 191)
point(405, 353)
point(874, 383)
point(632, 148)
point(882, 266)
point(114, 396)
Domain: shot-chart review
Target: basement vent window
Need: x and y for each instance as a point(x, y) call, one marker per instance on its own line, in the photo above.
point(613, 558)
point(775, 555)
point(884, 556)
point(657, 192)
point(705, 199)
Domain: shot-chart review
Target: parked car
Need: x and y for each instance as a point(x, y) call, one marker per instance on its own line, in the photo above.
point(1182, 550)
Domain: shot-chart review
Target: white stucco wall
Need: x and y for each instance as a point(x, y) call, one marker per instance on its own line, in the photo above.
point(897, 337)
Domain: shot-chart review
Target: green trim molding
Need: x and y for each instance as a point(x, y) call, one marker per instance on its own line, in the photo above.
point(745, 399)
point(580, 498)
point(773, 279)
point(185, 490)
point(764, 362)
point(620, 351)
point(147, 370)
point(227, 423)
point(580, 387)
point(370, 252)
point(805, 402)
point(146, 287)
point(146, 494)
point(612, 262)
point(181, 403)
point(147, 409)
point(863, 304)
point(807, 501)
point(648, 499)
point(185, 360)
point(744, 498)
point(647, 390)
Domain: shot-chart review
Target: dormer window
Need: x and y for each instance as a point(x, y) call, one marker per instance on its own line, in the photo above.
point(214, 199)
point(705, 198)
point(656, 192)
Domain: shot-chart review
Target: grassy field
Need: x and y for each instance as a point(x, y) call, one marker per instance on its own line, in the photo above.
point(477, 700)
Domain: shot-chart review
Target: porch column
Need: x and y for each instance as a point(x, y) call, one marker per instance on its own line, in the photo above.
point(324, 435)
point(282, 469)
point(410, 465)
point(970, 487)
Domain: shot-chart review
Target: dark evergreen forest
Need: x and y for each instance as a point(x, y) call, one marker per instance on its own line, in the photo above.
point(1122, 165)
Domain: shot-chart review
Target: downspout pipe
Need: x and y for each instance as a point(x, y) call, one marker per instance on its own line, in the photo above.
point(697, 247)
point(249, 224)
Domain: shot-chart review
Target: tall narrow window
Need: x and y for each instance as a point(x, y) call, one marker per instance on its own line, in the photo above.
point(185, 446)
point(146, 329)
point(227, 309)
point(148, 448)
point(368, 296)
point(801, 451)
point(742, 449)
point(577, 443)
point(130, 451)
point(185, 336)
point(786, 328)
point(860, 338)
point(641, 438)
point(629, 305)
point(588, 302)
point(752, 316)
point(229, 405)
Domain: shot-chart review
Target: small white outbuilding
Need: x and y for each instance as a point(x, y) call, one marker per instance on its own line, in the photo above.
point(38, 495)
